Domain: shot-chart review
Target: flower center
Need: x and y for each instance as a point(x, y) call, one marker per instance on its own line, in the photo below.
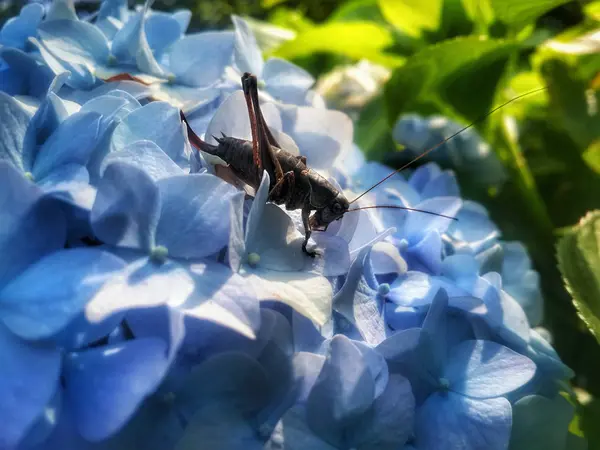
point(171, 78)
point(253, 259)
point(444, 384)
point(383, 289)
point(402, 245)
point(29, 176)
point(159, 254)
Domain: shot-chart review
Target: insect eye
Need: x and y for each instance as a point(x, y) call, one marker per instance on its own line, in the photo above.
point(337, 208)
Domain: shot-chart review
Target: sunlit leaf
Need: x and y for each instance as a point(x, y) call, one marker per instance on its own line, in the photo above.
point(518, 12)
point(479, 11)
point(412, 16)
point(356, 40)
point(579, 262)
point(458, 77)
point(592, 156)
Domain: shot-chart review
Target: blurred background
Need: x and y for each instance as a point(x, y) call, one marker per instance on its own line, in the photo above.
point(536, 167)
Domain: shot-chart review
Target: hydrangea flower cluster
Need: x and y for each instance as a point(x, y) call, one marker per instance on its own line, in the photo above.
point(146, 303)
point(466, 152)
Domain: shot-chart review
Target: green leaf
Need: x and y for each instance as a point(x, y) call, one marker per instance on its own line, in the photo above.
point(521, 12)
point(412, 16)
point(578, 255)
point(372, 132)
point(479, 11)
point(357, 40)
point(357, 10)
point(457, 77)
point(592, 156)
point(572, 105)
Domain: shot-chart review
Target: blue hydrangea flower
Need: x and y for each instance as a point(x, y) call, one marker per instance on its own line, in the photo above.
point(147, 303)
point(466, 152)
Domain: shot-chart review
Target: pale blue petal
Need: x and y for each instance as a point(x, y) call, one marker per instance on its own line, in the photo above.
point(183, 17)
point(162, 31)
point(277, 241)
point(450, 421)
point(344, 390)
point(127, 207)
point(145, 155)
point(143, 284)
point(399, 346)
point(293, 433)
point(75, 42)
point(258, 206)
point(32, 225)
point(223, 297)
point(334, 255)
point(248, 56)
point(106, 385)
point(285, 81)
point(71, 143)
point(418, 223)
point(433, 346)
point(484, 369)
point(27, 383)
point(130, 45)
point(425, 253)
point(140, 125)
point(14, 121)
point(473, 225)
point(357, 301)
point(193, 217)
point(321, 134)
point(219, 427)
point(392, 421)
point(540, 423)
point(62, 10)
point(236, 249)
point(16, 30)
point(200, 59)
point(52, 292)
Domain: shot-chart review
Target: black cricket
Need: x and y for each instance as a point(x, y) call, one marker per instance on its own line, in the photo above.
point(292, 182)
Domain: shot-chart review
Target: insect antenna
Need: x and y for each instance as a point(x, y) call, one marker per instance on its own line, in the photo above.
point(404, 208)
point(443, 141)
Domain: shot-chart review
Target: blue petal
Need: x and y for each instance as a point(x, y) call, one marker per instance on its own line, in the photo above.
point(540, 423)
point(224, 298)
point(321, 134)
point(450, 421)
point(162, 31)
point(426, 253)
point(285, 81)
point(62, 10)
point(16, 30)
point(334, 256)
point(433, 344)
point(147, 156)
point(248, 56)
point(357, 301)
point(13, 128)
point(344, 390)
point(219, 427)
point(32, 225)
point(49, 294)
point(140, 125)
point(75, 42)
point(473, 225)
point(71, 143)
point(193, 217)
point(236, 249)
point(27, 383)
point(293, 433)
point(418, 223)
point(484, 369)
point(127, 207)
point(392, 421)
point(183, 17)
point(130, 45)
point(200, 59)
point(106, 385)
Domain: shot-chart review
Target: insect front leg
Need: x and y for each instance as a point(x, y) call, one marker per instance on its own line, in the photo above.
point(307, 230)
point(283, 190)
